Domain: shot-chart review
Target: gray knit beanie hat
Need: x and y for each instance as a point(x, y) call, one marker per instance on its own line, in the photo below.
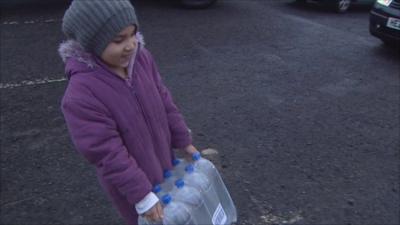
point(94, 23)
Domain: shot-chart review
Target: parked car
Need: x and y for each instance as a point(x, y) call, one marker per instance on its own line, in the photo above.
point(384, 21)
point(340, 6)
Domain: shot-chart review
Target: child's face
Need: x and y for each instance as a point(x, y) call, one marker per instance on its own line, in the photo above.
point(119, 51)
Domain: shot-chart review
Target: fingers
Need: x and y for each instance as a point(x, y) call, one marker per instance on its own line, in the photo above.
point(160, 211)
point(155, 214)
point(189, 151)
point(151, 214)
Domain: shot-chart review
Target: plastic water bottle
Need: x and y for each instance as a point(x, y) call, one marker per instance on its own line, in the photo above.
point(208, 169)
point(176, 213)
point(179, 167)
point(169, 180)
point(204, 186)
point(157, 189)
point(193, 200)
point(143, 221)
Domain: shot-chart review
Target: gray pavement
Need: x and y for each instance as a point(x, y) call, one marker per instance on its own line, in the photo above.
point(301, 103)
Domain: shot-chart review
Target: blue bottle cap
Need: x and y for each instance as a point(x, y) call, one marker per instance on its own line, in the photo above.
point(196, 156)
point(157, 188)
point(189, 168)
point(167, 174)
point(179, 183)
point(176, 162)
point(166, 199)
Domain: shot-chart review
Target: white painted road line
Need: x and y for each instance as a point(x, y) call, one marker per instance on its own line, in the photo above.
point(30, 22)
point(30, 83)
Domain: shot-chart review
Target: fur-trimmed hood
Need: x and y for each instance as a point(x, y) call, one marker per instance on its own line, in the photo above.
point(72, 49)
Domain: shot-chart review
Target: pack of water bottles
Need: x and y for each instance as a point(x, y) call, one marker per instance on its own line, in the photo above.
point(194, 193)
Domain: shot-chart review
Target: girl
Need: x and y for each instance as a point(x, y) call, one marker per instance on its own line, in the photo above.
point(120, 115)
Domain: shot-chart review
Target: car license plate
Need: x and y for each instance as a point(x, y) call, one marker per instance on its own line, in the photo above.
point(393, 23)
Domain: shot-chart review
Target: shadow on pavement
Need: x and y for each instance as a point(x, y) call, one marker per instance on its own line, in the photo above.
point(319, 7)
point(387, 52)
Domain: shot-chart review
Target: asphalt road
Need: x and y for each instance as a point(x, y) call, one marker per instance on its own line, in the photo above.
point(301, 103)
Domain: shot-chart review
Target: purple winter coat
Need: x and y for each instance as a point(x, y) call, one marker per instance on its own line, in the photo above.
point(127, 130)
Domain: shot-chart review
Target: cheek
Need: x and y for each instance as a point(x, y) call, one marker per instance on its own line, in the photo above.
point(111, 55)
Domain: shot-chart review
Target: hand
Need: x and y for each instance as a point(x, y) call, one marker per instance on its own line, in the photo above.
point(155, 214)
point(189, 151)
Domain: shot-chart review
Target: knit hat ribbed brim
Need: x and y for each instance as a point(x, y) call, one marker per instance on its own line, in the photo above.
point(94, 23)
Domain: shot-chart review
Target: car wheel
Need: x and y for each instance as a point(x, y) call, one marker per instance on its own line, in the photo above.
point(342, 6)
point(197, 4)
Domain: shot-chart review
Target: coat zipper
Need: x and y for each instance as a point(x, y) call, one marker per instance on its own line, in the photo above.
point(144, 115)
point(131, 86)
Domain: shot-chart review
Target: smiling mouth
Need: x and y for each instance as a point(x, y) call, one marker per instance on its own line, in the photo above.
point(127, 56)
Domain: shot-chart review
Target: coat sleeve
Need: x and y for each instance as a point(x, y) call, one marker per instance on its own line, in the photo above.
point(95, 135)
point(180, 133)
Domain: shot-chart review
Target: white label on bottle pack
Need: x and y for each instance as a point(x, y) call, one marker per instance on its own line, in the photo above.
point(219, 216)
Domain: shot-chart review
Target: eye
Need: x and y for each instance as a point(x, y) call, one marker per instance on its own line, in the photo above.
point(117, 41)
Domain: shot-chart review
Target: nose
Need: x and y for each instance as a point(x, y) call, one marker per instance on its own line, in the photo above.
point(131, 45)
